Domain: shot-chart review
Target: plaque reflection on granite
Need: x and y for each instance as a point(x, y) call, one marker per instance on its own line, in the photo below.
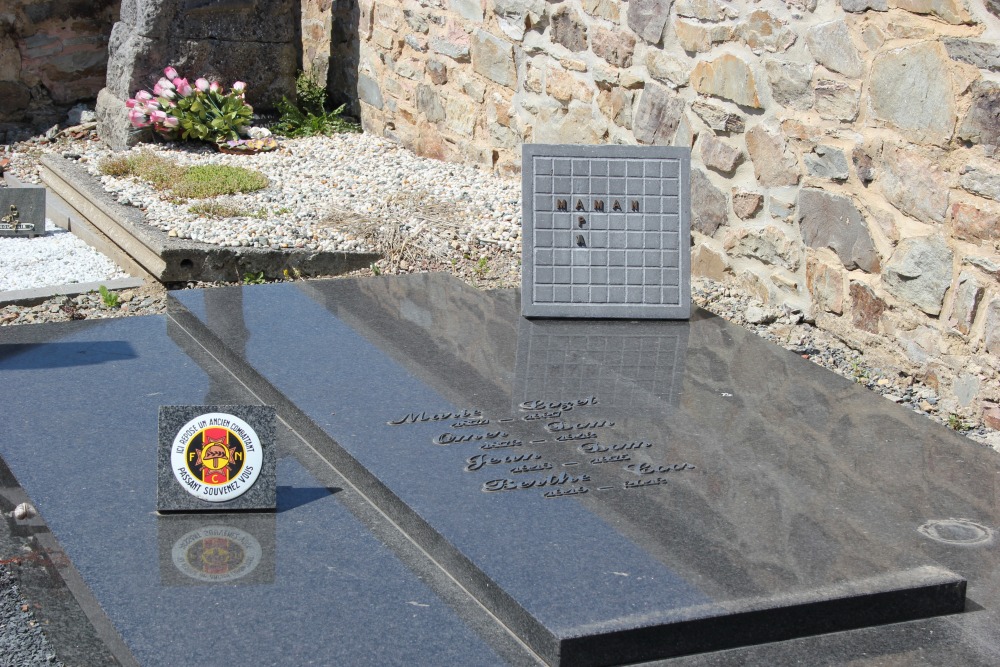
point(639, 366)
point(217, 549)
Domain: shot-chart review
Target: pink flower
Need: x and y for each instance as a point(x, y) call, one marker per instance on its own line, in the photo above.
point(183, 87)
point(215, 87)
point(171, 122)
point(143, 95)
point(130, 103)
point(239, 86)
point(137, 119)
point(170, 72)
point(201, 84)
point(157, 90)
point(165, 83)
point(158, 116)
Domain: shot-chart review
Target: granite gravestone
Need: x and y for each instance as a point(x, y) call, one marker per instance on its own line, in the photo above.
point(627, 490)
point(215, 458)
point(22, 211)
point(605, 231)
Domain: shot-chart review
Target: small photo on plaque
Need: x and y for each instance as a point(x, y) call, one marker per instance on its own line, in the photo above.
point(216, 458)
point(22, 211)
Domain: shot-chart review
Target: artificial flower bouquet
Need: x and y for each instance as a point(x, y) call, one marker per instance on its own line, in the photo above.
point(205, 111)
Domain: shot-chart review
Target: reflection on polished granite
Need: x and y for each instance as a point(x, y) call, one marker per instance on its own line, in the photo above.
point(627, 490)
point(330, 582)
point(735, 494)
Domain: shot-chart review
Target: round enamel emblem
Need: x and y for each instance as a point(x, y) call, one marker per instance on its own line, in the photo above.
point(216, 457)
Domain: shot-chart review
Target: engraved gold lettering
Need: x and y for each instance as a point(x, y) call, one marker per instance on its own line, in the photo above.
point(562, 205)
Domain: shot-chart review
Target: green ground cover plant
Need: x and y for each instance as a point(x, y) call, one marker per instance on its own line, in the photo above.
point(194, 182)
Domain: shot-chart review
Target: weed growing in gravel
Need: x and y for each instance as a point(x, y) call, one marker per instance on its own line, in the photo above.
point(254, 278)
point(109, 298)
point(216, 209)
point(196, 182)
point(309, 117)
point(956, 423)
point(481, 268)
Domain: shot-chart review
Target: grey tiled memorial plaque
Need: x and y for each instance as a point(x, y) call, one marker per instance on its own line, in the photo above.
point(22, 211)
point(605, 232)
point(215, 458)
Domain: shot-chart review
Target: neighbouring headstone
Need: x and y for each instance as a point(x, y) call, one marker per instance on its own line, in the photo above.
point(246, 40)
point(606, 232)
point(215, 458)
point(22, 211)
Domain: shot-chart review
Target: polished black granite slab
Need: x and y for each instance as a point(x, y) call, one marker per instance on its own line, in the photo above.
point(621, 491)
point(326, 580)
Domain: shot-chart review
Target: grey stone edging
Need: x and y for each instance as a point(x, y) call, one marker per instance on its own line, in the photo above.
point(172, 260)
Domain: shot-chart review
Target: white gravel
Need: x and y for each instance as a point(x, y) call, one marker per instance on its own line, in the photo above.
point(57, 258)
point(321, 187)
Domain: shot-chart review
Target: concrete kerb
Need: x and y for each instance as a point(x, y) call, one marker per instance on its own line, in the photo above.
point(171, 260)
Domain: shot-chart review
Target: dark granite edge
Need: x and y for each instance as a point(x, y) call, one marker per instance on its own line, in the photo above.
point(458, 567)
point(941, 596)
point(74, 623)
point(193, 260)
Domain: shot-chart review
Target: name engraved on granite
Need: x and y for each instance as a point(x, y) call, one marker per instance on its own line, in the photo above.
point(610, 459)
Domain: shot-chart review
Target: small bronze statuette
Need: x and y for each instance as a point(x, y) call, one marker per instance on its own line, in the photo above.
point(13, 220)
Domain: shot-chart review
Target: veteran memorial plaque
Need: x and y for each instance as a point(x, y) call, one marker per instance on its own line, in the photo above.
point(605, 232)
point(216, 458)
point(22, 211)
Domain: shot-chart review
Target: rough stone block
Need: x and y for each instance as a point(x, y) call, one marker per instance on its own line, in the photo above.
point(493, 58)
point(949, 11)
point(836, 100)
point(470, 10)
point(717, 118)
point(830, 44)
point(763, 31)
point(719, 155)
point(768, 245)
point(910, 88)
point(912, 182)
point(728, 77)
point(991, 339)
point(981, 54)
point(647, 18)
point(709, 208)
point(966, 303)
point(568, 29)
point(790, 83)
point(705, 10)
point(746, 204)
point(975, 223)
point(826, 285)
point(698, 37)
point(981, 124)
point(614, 46)
point(919, 272)
point(827, 162)
point(833, 221)
point(773, 163)
point(866, 307)
point(657, 115)
point(981, 182)
point(369, 91)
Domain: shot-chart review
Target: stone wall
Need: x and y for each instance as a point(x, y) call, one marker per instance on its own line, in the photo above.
point(52, 54)
point(844, 154)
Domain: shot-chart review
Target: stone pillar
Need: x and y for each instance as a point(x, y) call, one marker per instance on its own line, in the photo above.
point(256, 41)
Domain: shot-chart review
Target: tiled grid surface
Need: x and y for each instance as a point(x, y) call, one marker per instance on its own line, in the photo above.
point(632, 370)
point(606, 232)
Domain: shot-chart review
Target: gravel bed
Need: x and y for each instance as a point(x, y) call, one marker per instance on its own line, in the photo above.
point(326, 193)
point(22, 642)
point(58, 258)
